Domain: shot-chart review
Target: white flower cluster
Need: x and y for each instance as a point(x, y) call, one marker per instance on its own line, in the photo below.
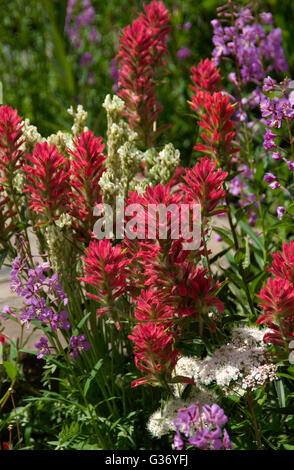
point(236, 366)
point(259, 376)
point(161, 166)
point(80, 118)
point(162, 421)
point(124, 162)
point(30, 135)
point(62, 140)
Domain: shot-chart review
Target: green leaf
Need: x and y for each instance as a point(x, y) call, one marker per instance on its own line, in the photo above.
point(280, 392)
point(246, 262)
point(10, 369)
point(251, 234)
point(93, 374)
point(225, 234)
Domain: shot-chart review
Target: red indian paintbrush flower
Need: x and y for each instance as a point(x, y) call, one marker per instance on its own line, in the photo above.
point(86, 171)
point(150, 307)
point(206, 76)
point(204, 185)
point(156, 21)
point(142, 48)
point(10, 140)
point(105, 269)
point(194, 292)
point(216, 122)
point(278, 304)
point(283, 263)
point(48, 185)
point(154, 352)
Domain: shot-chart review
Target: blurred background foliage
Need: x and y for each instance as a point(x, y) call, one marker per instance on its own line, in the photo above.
point(42, 76)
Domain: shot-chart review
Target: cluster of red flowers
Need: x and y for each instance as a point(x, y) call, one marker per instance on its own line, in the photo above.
point(11, 158)
point(278, 298)
point(175, 293)
point(214, 111)
point(10, 141)
point(86, 171)
point(56, 185)
point(48, 183)
point(141, 54)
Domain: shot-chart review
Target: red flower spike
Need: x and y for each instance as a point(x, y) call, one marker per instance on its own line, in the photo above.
point(204, 186)
point(278, 304)
point(10, 140)
point(86, 171)
point(105, 269)
point(216, 122)
point(206, 76)
point(154, 352)
point(2, 339)
point(142, 48)
point(150, 306)
point(195, 293)
point(48, 186)
point(283, 263)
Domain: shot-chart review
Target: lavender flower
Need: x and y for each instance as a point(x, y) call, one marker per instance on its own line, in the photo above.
point(42, 295)
point(78, 344)
point(249, 43)
point(183, 53)
point(86, 59)
point(43, 347)
point(202, 428)
point(280, 212)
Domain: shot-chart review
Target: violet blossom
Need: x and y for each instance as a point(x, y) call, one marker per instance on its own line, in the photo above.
point(201, 427)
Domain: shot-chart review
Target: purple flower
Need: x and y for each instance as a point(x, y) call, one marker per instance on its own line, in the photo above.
point(269, 177)
point(43, 347)
point(78, 344)
point(202, 428)
point(184, 53)
point(7, 311)
point(290, 165)
point(86, 59)
point(178, 441)
point(94, 35)
point(280, 212)
point(274, 185)
point(266, 18)
point(114, 74)
point(277, 156)
point(269, 84)
point(226, 440)
point(187, 25)
point(256, 51)
point(269, 140)
point(214, 415)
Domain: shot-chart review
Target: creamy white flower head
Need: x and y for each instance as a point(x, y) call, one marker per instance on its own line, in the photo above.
point(31, 136)
point(80, 118)
point(113, 104)
point(65, 220)
point(231, 363)
point(161, 166)
point(19, 181)
point(62, 140)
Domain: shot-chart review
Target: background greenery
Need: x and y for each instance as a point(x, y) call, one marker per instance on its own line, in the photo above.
point(41, 75)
